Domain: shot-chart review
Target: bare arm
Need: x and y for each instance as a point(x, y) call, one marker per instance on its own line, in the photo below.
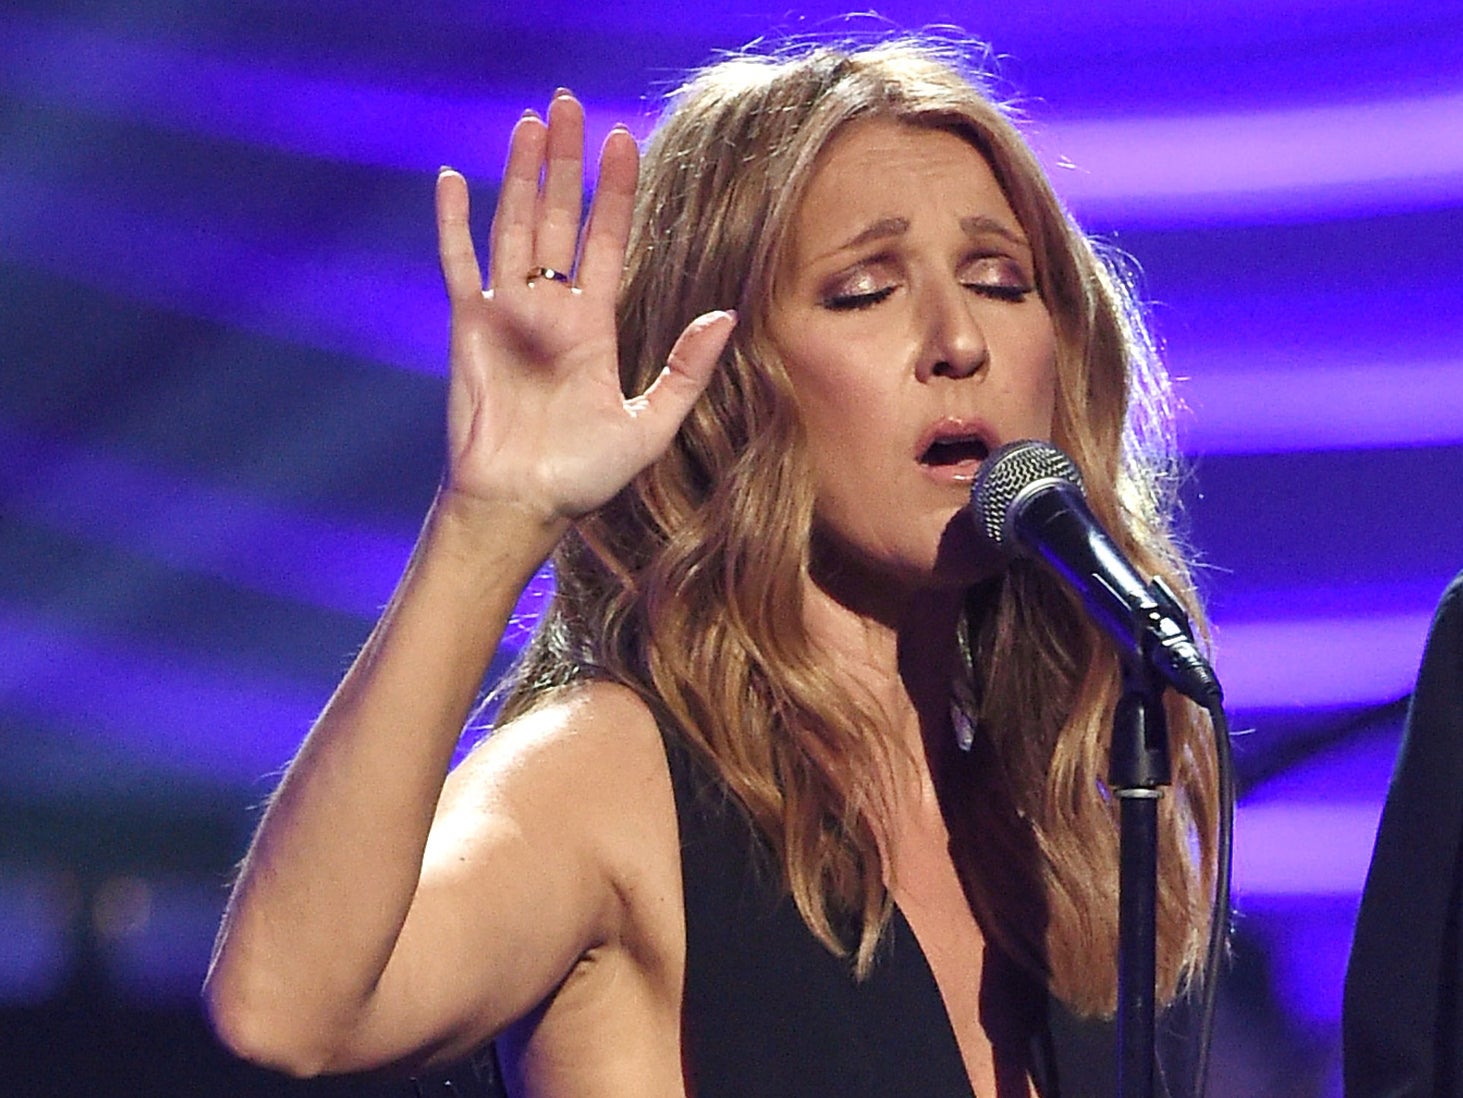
point(338, 951)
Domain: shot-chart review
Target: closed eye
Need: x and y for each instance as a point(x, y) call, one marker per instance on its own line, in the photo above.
point(997, 276)
point(850, 302)
point(1000, 291)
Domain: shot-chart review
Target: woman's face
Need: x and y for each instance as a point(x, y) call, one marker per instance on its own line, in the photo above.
point(907, 318)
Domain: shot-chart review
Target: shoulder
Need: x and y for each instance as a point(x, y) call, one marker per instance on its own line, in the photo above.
point(581, 778)
point(600, 736)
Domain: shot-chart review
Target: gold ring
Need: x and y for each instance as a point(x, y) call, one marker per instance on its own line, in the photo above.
point(550, 273)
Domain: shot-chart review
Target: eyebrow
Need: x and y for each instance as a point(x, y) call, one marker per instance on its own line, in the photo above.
point(980, 225)
point(882, 229)
point(886, 227)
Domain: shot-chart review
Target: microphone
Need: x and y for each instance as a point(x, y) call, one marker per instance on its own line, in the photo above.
point(1028, 500)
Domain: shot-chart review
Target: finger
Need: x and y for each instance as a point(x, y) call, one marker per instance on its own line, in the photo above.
point(561, 198)
point(455, 251)
point(688, 368)
point(513, 221)
point(602, 258)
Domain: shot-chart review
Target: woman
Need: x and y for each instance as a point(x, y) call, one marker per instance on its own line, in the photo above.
point(798, 788)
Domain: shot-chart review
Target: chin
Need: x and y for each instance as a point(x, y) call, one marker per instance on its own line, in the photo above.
point(961, 559)
point(964, 557)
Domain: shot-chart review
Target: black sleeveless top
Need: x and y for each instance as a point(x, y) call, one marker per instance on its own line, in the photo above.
point(769, 1012)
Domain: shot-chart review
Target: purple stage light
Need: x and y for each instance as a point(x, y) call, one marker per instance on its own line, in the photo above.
point(1304, 848)
point(1323, 662)
point(1273, 408)
point(357, 303)
point(1303, 845)
point(1309, 830)
point(158, 707)
point(210, 530)
point(161, 708)
point(1276, 164)
point(217, 96)
point(215, 530)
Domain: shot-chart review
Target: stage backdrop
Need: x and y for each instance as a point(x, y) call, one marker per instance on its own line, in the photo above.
point(221, 362)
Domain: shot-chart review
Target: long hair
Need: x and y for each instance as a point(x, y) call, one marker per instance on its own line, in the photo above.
point(688, 585)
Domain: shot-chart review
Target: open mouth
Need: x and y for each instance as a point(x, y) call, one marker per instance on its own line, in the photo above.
point(955, 450)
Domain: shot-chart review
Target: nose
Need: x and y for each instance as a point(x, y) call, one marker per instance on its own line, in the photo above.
point(954, 342)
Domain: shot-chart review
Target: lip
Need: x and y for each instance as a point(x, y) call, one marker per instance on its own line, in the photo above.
point(951, 429)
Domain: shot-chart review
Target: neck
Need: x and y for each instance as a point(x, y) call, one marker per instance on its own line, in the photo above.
point(901, 656)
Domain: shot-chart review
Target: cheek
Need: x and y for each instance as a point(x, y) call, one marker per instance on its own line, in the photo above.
point(849, 433)
point(1046, 398)
point(1024, 400)
point(840, 402)
point(1039, 383)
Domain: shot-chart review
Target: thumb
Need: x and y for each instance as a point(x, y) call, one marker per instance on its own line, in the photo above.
point(687, 371)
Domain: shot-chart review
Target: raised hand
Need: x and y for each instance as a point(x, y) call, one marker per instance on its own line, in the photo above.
point(536, 417)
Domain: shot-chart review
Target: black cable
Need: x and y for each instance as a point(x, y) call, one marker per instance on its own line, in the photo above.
point(1219, 920)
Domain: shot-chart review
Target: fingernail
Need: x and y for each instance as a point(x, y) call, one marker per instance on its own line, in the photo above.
point(444, 168)
point(529, 113)
point(561, 92)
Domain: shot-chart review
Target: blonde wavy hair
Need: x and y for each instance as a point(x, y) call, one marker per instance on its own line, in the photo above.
point(688, 586)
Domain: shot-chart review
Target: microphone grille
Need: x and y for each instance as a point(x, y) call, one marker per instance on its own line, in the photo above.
point(1006, 473)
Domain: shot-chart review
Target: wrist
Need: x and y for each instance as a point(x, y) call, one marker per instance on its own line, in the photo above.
point(502, 537)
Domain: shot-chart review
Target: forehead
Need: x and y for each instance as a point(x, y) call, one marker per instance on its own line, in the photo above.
point(885, 169)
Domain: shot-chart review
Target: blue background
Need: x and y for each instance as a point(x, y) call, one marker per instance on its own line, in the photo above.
point(221, 352)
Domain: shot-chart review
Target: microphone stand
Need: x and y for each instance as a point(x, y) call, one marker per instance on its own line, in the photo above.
point(1138, 772)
